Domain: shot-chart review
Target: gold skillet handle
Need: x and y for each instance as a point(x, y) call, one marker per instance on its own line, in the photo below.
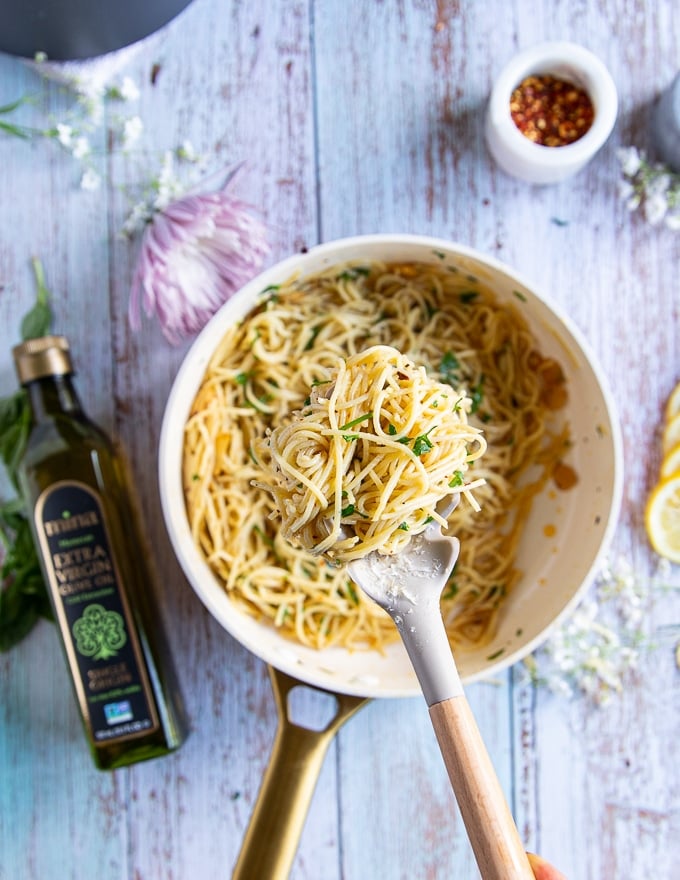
point(272, 837)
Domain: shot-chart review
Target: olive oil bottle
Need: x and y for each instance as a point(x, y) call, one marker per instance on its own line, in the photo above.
point(95, 568)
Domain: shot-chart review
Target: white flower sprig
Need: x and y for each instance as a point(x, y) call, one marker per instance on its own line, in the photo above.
point(601, 644)
point(199, 242)
point(75, 130)
point(650, 186)
point(180, 170)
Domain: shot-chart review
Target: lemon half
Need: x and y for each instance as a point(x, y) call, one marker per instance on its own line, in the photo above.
point(671, 434)
point(662, 518)
point(673, 403)
point(671, 462)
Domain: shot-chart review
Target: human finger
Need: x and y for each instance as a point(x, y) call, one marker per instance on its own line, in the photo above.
point(544, 870)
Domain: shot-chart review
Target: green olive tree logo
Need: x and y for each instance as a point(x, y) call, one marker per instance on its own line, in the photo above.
point(99, 633)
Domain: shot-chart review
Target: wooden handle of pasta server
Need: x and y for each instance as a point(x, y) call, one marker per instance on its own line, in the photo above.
point(487, 817)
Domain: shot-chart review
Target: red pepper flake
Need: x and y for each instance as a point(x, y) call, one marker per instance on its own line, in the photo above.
point(550, 111)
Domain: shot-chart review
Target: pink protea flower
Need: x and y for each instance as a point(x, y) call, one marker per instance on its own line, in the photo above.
point(195, 253)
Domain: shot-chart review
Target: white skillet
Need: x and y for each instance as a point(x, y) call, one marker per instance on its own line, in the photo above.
point(556, 568)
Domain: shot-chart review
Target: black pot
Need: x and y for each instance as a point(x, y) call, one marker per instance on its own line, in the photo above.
point(666, 126)
point(76, 29)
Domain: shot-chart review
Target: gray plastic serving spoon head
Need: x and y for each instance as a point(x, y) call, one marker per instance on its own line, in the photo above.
point(408, 586)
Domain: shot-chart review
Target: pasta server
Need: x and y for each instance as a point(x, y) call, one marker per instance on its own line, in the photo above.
point(408, 586)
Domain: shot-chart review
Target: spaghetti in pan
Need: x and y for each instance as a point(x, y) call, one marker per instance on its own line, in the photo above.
point(281, 361)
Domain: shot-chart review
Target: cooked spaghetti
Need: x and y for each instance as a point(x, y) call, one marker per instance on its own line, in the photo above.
point(262, 371)
point(364, 465)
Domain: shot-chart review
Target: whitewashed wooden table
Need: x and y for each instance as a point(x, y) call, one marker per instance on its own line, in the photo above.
point(354, 117)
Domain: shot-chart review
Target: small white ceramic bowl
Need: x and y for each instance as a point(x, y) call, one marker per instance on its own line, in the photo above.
point(535, 163)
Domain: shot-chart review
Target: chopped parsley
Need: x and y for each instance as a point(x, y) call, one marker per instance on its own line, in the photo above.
point(430, 310)
point(456, 480)
point(496, 592)
point(477, 395)
point(265, 538)
point(451, 592)
point(359, 419)
point(468, 296)
point(354, 273)
point(448, 368)
point(422, 443)
point(312, 338)
point(352, 593)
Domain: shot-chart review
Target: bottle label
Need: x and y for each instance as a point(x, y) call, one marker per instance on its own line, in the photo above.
point(93, 613)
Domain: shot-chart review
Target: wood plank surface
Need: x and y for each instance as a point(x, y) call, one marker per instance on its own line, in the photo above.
point(351, 117)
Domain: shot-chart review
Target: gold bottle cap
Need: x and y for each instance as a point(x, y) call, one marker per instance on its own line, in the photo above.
point(45, 356)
